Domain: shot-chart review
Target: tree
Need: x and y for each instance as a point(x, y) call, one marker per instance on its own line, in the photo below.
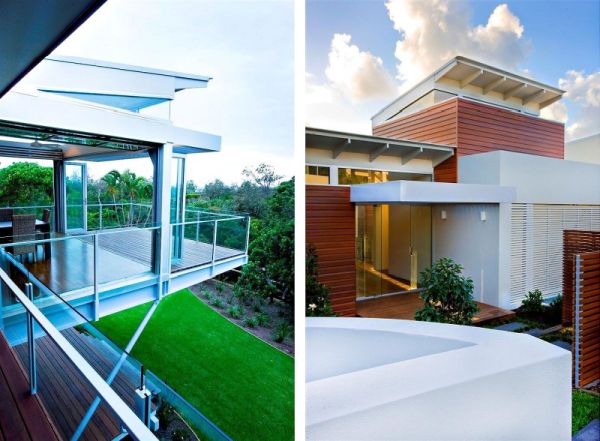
point(26, 184)
point(262, 175)
point(447, 295)
point(317, 294)
point(270, 273)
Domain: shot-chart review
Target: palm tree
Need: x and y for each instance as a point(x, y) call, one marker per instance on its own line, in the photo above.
point(113, 188)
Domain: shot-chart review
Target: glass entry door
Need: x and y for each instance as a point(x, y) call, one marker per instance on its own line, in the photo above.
point(393, 246)
point(76, 196)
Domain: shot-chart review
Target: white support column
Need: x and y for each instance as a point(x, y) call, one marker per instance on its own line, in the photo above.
point(161, 213)
point(333, 175)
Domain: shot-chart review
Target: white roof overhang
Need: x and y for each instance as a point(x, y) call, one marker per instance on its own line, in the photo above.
point(49, 118)
point(113, 84)
point(376, 146)
point(397, 192)
point(468, 78)
point(31, 29)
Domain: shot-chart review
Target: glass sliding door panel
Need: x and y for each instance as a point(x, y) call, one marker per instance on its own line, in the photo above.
point(76, 200)
point(368, 249)
point(420, 240)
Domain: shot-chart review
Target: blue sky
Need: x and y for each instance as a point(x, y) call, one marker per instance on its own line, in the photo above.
point(245, 45)
point(543, 39)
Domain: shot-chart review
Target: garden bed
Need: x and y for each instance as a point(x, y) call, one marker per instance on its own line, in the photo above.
point(265, 321)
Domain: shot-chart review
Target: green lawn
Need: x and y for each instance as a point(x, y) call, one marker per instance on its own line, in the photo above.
point(586, 407)
point(243, 385)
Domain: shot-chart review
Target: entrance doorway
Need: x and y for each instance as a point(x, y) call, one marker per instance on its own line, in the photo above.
point(393, 245)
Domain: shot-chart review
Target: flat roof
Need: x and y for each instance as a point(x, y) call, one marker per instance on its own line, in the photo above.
point(376, 146)
point(397, 192)
point(474, 79)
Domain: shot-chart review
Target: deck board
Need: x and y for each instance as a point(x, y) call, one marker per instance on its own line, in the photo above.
point(404, 306)
point(22, 416)
point(65, 392)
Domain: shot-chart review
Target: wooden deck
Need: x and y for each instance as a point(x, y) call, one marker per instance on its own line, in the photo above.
point(122, 254)
point(404, 306)
point(22, 416)
point(66, 394)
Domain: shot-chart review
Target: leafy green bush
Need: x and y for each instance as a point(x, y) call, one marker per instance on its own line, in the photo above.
point(250, 322)
point(447, 295)
point(533, 303)
point(262, 319)
point(220, 287)
point(282, 331)
point(317, 294)
point(235, 311)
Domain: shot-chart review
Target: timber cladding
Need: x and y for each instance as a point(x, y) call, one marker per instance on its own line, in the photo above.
point(588, 325)
point(330, 228)
point(574, 242)
point(474, 127)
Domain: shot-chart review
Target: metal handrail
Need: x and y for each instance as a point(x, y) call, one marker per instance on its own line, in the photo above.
point(130, 421)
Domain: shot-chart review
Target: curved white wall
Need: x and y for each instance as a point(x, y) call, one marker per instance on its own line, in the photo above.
point(374, 379)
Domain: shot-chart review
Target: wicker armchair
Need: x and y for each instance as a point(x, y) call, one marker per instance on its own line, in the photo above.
point(23, 228)
point(6, 214)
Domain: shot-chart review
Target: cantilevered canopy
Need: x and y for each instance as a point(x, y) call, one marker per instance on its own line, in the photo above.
point(376, 146)
point(31, 29)
point(429, 192)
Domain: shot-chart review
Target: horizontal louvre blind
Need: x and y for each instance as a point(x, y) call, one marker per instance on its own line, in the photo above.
point(537, 245)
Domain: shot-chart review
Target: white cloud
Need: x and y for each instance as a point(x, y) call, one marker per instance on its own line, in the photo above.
point(584, 91)
point(357, 74)
point(434, 31)
point(556, 111)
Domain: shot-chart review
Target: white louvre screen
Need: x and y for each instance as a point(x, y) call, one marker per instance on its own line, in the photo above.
point(537, 245)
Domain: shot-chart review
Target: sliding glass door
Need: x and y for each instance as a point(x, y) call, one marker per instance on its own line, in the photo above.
point(393, 245)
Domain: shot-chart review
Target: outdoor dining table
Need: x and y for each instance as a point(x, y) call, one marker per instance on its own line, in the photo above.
point(41, 226)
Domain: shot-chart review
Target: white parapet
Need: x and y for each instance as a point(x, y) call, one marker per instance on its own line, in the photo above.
point(381, 379)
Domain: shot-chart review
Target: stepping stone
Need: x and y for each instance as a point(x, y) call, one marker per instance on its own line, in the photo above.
point(512, 326)
point(535, 332)
point(562, 344)
point(591, 432)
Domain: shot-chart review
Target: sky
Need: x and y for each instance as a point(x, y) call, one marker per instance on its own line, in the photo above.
point(245, 45)
point(362, 54)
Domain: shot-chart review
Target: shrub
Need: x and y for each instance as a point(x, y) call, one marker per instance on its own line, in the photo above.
point(282, 331)
point(218, 302)
point(554, 311)
point(235, 312)
point(533, 302)
point(262, 319)
point(250, 322)
point(165, 414)
point(220, 287)
point(209, 297)
point(257, 306)
point(179, 435)
point(204, 293)
point(317, 294)
point(447, 295)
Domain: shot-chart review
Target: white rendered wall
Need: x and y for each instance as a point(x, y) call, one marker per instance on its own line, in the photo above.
point(471, 242)
point(537, 179)
point(584, 149)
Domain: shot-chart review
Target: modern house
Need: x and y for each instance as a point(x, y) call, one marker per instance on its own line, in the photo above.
point(74, 112)
point(459, 166)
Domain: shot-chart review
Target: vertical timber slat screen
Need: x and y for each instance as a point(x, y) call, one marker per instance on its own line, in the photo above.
point(586, 350)
point(330, 218)
point(574, 242)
